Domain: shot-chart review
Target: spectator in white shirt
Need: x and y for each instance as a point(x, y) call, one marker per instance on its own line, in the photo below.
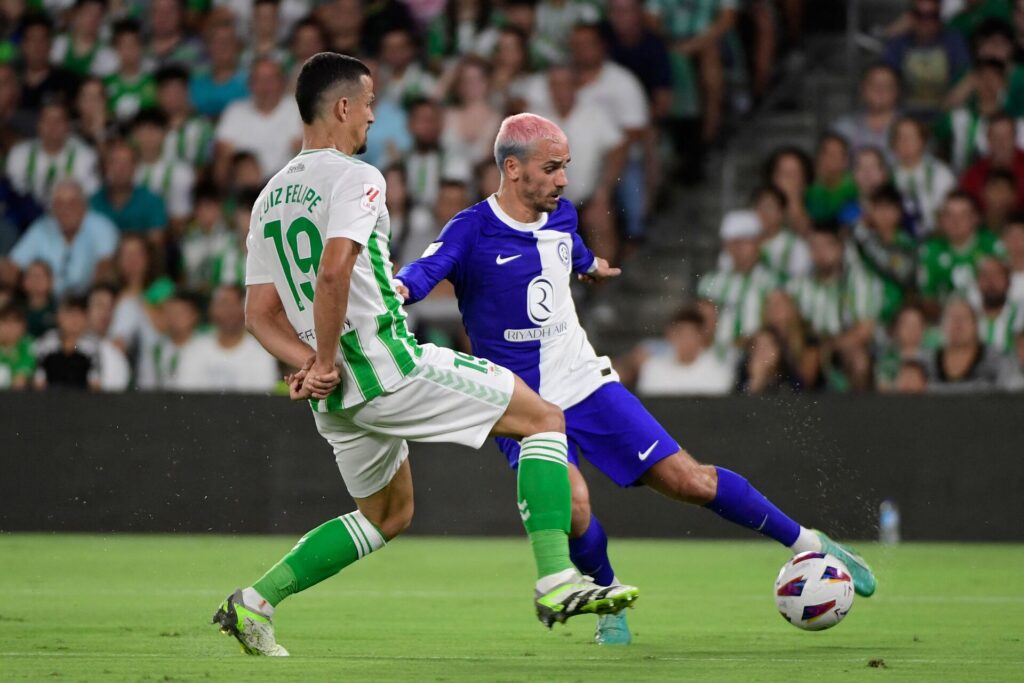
point(603, 84)
point(228, 359)
point(115, 373)
point(690, 368)
point(923, 180)
point(599, 149)
point(36, 166)
point(1013, 240)
point(266, 124)
point(167, 177)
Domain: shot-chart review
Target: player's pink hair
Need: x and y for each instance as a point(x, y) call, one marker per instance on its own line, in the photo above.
point(518, 134)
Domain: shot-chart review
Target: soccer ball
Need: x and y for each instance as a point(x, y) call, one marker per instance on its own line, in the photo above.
point(814, 591)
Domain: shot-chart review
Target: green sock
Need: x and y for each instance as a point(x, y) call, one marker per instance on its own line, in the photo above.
point(320, 554)
point(545, 500)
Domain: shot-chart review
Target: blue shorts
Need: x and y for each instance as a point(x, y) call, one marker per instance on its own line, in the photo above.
point(613, 430)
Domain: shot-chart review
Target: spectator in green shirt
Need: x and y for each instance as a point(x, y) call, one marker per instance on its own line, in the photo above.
point(886, 249)
point(132, 87)
point(131, 207)
point(975, 12)
point(948, 262)
point(833, 186)
point(17, 362)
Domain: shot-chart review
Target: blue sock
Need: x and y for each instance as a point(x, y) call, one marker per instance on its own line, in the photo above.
point(589, 553)
point(739, 502)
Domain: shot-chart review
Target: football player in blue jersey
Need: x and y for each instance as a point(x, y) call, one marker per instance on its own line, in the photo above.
point(510, 259)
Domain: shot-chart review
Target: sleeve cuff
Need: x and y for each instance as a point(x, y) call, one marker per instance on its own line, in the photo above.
point(593, 266)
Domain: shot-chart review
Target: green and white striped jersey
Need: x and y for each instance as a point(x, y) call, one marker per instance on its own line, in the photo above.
point(323, 194)
point(739, 298)
point(1000, 332)
point(836, 305)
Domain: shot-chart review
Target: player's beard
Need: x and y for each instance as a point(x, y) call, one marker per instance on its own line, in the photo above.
point(540, 201)
point(361, 149)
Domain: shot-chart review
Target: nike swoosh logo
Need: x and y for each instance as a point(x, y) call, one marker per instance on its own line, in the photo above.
point(502, 260)
point(643, 456)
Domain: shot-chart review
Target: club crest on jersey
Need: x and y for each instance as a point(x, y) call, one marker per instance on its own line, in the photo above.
point(370, 195)
point(563, 253)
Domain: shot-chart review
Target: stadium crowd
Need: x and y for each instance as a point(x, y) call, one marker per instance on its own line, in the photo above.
point(135, 137)
point(891, 259)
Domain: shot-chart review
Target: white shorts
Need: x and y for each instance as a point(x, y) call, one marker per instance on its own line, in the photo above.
point(450, 397)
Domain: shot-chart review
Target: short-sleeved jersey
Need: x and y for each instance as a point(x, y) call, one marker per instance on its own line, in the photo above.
point(512, 282)
point(16, 361)
point(832, 306)
point(945, 269)
point(320, 195)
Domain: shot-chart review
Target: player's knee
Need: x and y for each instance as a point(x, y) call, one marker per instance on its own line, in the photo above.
point(396, 521)
point(549, 419)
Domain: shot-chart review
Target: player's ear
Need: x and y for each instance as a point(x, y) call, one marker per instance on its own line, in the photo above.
point(511, 168)
point(341, 108)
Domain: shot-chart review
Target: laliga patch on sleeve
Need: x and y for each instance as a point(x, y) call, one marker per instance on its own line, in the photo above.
point(432, 249)
point(371, 193)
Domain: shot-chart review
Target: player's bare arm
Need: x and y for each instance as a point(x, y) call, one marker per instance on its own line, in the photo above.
point(329, 307)
point(266, 319)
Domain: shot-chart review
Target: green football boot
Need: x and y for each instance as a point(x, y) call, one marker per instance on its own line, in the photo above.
point(253, 630)
point(578, 596)
point(612, 629)
point(864, 582)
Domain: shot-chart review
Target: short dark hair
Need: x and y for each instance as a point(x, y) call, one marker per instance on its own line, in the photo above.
point(207, 192)
point(150, 116)
point(123, 27)
point(990, 28)
point(828, 226)
point(918, 124)
point(915, 365)
point(1016, 218)
point(75, 302)
point(881, 66)
point(832, 136)
point(170, 73)
point(421, 101)
point(690, 315)
point(806, 165)
point(12, 309)
point(319, 74)
point(312, 22)
point(963, 196)
point(887, 194)
point(769, 190)
point(101, 287)
point(189, 298)
point(37, 20)
point(1002, 176)
point(1002, 117)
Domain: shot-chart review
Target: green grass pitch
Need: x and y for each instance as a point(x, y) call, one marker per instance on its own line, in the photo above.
point(127, 608)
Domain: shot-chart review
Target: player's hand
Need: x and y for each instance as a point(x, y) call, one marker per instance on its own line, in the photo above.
point(401, 289)
point(602, 272)
point(295, 381)
point(320, 380)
